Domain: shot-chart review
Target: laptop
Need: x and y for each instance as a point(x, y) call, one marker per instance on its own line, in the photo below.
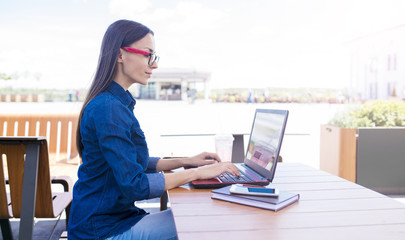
point(262, 152)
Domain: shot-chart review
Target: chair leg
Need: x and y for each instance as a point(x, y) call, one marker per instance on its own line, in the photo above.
point(6, 229)
point(67, 211)
point(163, 201)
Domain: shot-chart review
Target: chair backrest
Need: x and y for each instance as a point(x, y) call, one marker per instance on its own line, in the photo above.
point(13, 156)
point(4, 207)
point(59, 129)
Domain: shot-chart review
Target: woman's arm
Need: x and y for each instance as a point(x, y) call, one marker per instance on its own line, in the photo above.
point(173, 180)
point(201, 159)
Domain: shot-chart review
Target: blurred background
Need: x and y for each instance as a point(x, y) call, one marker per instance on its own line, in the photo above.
point(220, 60)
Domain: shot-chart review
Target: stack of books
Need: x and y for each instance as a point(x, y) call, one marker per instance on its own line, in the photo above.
point(271, 203)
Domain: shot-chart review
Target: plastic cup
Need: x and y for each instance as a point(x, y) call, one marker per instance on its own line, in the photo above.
point(223, 146)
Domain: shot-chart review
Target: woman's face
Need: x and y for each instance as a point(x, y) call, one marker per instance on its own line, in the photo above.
point(134, 66)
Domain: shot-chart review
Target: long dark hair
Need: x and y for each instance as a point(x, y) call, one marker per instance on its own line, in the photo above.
point(121, 33)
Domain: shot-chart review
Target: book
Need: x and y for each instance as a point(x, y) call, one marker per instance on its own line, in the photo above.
point(271, 203)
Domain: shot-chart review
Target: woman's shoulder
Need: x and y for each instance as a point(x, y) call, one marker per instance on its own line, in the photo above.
point(103, 100)
point(105, 105)
point(105, 109)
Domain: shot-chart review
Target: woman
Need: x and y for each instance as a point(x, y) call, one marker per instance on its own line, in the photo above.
point(116, 169)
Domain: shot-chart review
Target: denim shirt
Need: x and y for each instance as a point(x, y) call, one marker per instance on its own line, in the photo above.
point(116, 169)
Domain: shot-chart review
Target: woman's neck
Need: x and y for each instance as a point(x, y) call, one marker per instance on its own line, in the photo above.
point(123, 84)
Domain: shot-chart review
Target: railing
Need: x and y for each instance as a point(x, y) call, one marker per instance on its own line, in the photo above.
point(59, 130)
point(238, 149)
point(22, 98)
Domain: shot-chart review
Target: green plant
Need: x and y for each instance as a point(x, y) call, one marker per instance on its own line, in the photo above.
point(373, 114)
point(5, 76)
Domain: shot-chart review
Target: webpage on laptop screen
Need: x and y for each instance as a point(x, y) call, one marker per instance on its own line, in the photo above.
point(265, 139)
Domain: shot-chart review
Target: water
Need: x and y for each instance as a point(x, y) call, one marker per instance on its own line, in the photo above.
point(159, 119)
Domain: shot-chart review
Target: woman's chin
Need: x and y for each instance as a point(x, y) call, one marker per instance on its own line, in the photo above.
point(143, 82)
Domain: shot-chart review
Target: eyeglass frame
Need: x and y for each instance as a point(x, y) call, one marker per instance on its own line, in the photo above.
point(145, 53)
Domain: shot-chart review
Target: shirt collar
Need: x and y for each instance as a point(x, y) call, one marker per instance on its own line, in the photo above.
point(125, 97)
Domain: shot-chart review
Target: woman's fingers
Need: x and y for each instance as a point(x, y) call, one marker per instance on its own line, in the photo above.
point(231, 168)
point(215, 170)
point(234, 170)
point(208, 162)
point(212, 156)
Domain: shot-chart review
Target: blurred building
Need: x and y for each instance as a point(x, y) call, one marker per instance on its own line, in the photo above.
point(173, 84)
point(377, 65)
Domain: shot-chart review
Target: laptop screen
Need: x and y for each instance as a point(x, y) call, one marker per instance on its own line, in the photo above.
point(265, 141)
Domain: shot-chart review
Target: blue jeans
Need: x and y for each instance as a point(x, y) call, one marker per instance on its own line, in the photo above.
point(153, 226)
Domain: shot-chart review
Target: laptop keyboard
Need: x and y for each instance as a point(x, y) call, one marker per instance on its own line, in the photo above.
point(227, 177)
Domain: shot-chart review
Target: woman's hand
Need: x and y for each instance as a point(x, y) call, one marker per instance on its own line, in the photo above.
point(201, 159)
point(214, 170)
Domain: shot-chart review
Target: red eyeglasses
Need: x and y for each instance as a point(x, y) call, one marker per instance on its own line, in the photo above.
point(152, 56)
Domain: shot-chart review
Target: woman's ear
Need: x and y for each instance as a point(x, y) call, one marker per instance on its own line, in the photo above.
point(120, 58)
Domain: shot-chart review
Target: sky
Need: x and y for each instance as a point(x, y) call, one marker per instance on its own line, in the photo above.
point(242, 43)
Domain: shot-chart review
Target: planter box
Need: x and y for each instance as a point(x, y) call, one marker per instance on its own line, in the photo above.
point(371, 157)
point(338, 151)
point(381, 159)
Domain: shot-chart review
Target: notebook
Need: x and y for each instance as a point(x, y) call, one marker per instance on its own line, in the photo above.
point(262, 152)
point(272, 203)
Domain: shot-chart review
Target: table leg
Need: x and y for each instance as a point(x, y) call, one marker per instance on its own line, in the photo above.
point(29, 191)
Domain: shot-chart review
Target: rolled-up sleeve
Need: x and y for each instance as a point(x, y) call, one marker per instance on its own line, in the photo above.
point(151, 168)
point(156, 184)
point(156, 180)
